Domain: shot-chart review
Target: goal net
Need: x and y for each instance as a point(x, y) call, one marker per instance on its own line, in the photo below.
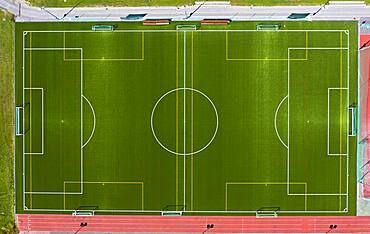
point(85, 211)
point(186, 27)
point(102, 28)
point(268, 27)
point(267, 212)
point(172, 210)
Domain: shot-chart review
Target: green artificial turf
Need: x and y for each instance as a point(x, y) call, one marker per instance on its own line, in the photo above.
point(222, 98)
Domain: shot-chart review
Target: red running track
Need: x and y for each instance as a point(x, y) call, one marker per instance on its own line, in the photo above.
point(193, 224)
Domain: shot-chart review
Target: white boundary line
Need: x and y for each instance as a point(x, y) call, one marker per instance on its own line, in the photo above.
point(184, 201)
point(198, 211)
point(288, 164)
point(318, 194)
point(328, 127)
point(94, 123)
point(42, 123)
point(348, 86)
point(23, 140)
point(184, 146)
point(200, 30)
point(211, 211)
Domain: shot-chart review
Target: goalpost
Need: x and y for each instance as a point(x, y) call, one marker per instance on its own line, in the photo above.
point(266, 212)
point(108, 28)
point(186, 27)
point(18, 121)
point(22, 119)
point(173, 210)
point(268, 27)
point(85, 211)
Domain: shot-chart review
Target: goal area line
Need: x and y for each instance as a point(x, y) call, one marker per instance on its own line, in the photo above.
point(42, 120)
point(176, 31)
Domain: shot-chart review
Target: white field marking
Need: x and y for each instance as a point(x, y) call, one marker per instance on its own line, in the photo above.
point(24, 192)
point(50, 48)
point(275, 121)
point(347, 160)
point(192, 126)
point(152, 125)
point(174, 31)
point(106, 182)
point(353, 117)
point(288, 151)
point(81, 120)
point(23, 143)
point(319, 48)
point(195, 211)
point(315, 194)
point(212, 211)
point(184, 201)
point(359, 108)
point(94, 118)
point(328, 127)
point(42, 123)
point(288, 165)
point(54, 193)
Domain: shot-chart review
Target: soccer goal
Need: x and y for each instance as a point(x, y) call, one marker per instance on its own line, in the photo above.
point(173, 210)
point(186, 27)
point(266, 212)
point(268, 27)
point(353, 120)
point(102, 28)
point(85, 211)
point(18, 121)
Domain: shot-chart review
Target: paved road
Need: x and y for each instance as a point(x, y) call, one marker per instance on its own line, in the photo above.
point(343, 11)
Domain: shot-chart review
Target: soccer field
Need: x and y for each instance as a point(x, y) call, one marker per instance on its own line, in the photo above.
point(221, 120)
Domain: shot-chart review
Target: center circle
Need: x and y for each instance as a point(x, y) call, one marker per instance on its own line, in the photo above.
point(182, 112)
